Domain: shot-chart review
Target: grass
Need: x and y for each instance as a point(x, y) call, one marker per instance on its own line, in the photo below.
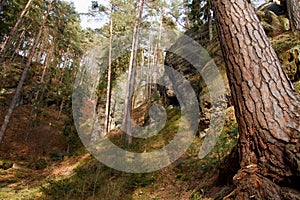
point(94, 180)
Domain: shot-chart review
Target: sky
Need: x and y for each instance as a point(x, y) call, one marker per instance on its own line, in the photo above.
point(82, 6)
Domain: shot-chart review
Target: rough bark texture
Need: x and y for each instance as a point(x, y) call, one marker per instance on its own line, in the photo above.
point(293, 10)
point(266, 105)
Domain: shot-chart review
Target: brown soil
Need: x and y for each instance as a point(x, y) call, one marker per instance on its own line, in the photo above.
point(22, 142)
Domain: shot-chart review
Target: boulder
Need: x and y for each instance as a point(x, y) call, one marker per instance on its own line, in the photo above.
point(291, 63)
point(274, 21)
point(274, 18)
point(287, 48)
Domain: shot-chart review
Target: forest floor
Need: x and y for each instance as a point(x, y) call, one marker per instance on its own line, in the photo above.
point(34, 165)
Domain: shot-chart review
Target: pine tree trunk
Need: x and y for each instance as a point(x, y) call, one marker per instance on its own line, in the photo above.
point(41, 47)
point(209, 21)
point(108, 89)
point(40, 90)
point(23, 77)
point(148, 73)
point(187, 20)
point(131, 77)
point(19, 43)
point(157, 54)
point(293, 9)
point(266, 105)
point(13, 30)
point(210, 27)
point(61, 107)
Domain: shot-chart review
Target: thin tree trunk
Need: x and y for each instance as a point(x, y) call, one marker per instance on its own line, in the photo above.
point(293, 9)
point(23, 77)
point(153, 70)
point(62, 69)
point(142, 67)
point(139, 79)
point(266, 105)
point(148, 73)
point(48, 59)
point(40, 90)
point(20, 41)
point(131, 77)
point(159, 52)
point(107, 107)
point(61, 108)
point(158, 58)
point(12, 32)
point(187, 21)
point(209, 21)
point(41, 47)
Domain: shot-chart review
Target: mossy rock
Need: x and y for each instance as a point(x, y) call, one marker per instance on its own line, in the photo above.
point(285, 22)
point(297, 86)
point(291, 63)
point(275, 25)
point(274, 19)
point(5, 164)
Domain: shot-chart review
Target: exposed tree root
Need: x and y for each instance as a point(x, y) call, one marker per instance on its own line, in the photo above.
point(252, 185)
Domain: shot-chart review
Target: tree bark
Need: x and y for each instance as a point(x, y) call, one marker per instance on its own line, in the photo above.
point(108, 89)
point(13, 30)
point(209, 21)
point(293, 9)
point(266, 105)
point(187, 20)
point(148, 73)
point(18, 45)
point(23, 77)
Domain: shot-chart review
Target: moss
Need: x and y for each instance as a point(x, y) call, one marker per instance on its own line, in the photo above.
point(285, 42)
point(297, 86)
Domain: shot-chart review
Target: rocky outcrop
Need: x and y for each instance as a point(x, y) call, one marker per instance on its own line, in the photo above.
point(291, 63)
point(287, 47)
point(274, 18)
point(190, 71)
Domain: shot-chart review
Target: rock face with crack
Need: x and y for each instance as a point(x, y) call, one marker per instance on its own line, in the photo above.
point(208, 108)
